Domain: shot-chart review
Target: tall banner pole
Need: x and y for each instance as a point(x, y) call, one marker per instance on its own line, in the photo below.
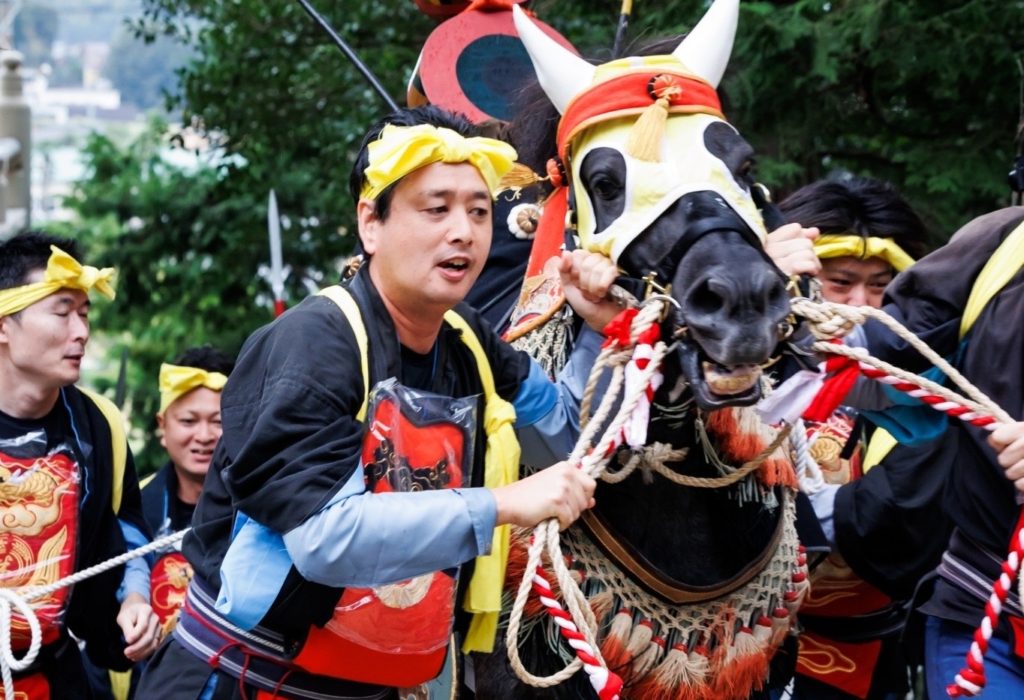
point(276, 260)
point(347, 50)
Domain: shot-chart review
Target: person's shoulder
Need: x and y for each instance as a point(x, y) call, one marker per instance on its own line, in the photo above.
point(155, 482)
point(313, 327)
point(993, 226)
point(89, 406)
point(476, 321)
point(306, 349)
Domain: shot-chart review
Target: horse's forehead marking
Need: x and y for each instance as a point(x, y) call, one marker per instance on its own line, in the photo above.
point(686, 165)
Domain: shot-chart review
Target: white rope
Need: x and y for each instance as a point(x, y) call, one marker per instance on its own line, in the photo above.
point(807, 469)
point(592, 460)
point(14, 600)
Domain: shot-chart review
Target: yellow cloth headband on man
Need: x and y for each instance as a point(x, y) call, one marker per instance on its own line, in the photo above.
point(176, 381)
point(403, 149)
point(864, 247)
point(62, 272)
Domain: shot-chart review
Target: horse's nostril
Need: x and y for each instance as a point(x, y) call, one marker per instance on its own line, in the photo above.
point(704, 299)
point(774, 294)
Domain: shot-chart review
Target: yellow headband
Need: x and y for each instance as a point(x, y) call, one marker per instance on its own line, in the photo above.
point(403, 149)
point(829, 246)
point(62, 272)
point(177, 381)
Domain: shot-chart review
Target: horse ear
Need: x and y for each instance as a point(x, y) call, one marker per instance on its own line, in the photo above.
point(707, 47)
point(561, 73)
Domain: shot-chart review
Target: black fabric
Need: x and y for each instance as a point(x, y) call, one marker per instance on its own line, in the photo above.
point(92, 605)
point(890, 525)
point(497, 288)
point(164, 511)
point(291, 439)
point(929, 298)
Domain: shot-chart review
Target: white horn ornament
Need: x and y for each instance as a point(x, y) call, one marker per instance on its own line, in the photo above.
point(561, 73)
point(706, 49)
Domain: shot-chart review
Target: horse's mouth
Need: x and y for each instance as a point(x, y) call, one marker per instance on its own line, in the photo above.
point(716, 386)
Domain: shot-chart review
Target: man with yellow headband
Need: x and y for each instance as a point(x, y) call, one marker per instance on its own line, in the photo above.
point(189, 426)
point(885, 527)
point(63, 505)
point(341, 507)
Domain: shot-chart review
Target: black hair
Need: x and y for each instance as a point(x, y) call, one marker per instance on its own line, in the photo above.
point(426, 114)
point(208, 358)
point(27, 252)
point(860, 206)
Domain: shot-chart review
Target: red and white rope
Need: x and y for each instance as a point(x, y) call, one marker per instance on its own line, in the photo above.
point(575, 621)
point(970, 681)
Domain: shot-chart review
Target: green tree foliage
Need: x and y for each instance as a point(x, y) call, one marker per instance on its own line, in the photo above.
point(923, 94)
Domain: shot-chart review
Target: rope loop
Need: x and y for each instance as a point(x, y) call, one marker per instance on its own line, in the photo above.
point(18, 600)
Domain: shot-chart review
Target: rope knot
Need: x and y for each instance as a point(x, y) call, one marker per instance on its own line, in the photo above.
point(828, 321)
point(665, 87)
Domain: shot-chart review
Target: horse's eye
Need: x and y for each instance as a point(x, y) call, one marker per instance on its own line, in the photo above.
point(605, 187)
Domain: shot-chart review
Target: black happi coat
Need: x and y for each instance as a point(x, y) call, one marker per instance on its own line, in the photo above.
point(92, 605)
point(160, 502)
point(929, 299)
point(291, 439)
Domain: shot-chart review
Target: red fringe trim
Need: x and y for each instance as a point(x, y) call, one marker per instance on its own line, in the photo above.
point(740, 443)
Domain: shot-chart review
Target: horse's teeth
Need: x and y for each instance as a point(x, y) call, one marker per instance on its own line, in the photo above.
point(730, 381)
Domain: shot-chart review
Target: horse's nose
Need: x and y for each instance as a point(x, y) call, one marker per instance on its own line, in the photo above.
point(738, 308)
point(727, 292)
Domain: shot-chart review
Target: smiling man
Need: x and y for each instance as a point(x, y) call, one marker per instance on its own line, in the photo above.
point(63, 488)
point(189, 426)
point(371, 444)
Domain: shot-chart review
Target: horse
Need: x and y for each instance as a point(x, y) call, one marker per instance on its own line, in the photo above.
point(693, 588)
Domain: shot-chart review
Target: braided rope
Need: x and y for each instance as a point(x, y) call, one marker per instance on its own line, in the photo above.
point(660, 466)
point(808, 470)
point(823, 315)
point(15, 600)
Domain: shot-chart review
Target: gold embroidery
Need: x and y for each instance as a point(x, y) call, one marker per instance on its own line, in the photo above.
point(823, 659)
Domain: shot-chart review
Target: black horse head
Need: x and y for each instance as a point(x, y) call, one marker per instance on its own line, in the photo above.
point(660, 182)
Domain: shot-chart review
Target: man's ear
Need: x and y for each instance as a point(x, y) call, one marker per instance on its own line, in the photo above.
point(4, 320)
point(369, 225)
point(160, 430)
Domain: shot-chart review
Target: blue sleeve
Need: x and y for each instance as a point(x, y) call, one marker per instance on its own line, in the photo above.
point(551, 436)
point(136, 571)
point(369, 539)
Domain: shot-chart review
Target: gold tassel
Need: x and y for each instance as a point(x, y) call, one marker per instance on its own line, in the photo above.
point(519, 177)
point(646, 136)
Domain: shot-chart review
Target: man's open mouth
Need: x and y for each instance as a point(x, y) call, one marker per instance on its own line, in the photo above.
point(457, 264)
